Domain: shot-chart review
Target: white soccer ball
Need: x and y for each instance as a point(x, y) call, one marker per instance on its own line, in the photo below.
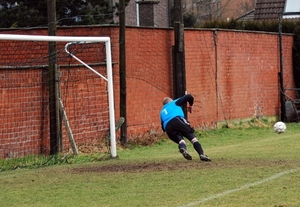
point(279, 127)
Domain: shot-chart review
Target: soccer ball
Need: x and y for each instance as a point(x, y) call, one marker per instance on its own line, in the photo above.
point(279, 127)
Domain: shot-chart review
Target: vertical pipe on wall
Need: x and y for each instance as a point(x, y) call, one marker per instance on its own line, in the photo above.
point(215, 34)
point(137, 14)
point(282, 96)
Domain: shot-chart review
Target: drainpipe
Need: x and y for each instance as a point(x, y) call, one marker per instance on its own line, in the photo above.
point(282, 96)
point(137, 14)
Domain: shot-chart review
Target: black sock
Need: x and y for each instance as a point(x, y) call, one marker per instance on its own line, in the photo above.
point(182, 145)
point(198, 148)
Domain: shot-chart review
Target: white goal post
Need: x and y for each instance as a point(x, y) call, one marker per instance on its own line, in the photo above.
point(109, 79)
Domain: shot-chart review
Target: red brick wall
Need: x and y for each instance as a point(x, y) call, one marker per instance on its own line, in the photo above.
point(149, 77)
point(201, 76)
point(232, 75)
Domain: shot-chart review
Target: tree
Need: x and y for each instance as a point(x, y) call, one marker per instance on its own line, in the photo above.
point(97, 13)
point(15, 15)
point(33, 13)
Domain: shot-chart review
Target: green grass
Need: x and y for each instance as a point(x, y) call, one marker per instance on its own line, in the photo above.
point(250, 167)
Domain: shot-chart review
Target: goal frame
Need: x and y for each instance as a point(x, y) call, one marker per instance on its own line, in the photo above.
point(82, 39)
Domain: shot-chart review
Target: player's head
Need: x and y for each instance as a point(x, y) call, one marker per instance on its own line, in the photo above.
point(167, 100)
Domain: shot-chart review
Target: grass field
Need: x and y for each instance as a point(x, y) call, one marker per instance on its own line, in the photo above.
point(250, 167)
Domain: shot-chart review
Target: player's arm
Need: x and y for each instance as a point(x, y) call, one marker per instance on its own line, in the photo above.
point(162, 126)
point(188, 98)
point(162, 123)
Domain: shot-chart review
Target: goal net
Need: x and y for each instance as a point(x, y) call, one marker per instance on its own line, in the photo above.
point(83, 87)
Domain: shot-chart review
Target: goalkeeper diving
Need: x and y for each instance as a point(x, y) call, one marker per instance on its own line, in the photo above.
point(177, 127)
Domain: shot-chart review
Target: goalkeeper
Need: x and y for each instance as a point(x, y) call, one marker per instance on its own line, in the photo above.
point(177, 127)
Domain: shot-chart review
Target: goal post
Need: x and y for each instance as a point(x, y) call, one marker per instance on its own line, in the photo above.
point(108, 60)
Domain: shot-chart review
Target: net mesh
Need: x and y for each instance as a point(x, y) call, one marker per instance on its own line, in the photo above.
point(24, 96)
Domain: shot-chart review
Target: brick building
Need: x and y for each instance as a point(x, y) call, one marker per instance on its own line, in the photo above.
point(270, 10)
point(158, 13)
point(152, 13)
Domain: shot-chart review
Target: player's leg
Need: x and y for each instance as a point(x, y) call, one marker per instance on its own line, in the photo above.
point(199, 149)
point(188, 132)
point(177, 137)
point(183, 151)
point(197, 146)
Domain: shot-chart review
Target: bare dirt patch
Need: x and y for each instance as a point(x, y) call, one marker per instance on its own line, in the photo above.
point(178, 165)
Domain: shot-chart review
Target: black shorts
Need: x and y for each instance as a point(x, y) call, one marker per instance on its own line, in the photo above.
point(177, 128)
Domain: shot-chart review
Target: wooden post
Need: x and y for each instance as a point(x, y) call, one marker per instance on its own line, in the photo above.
point(57, 108)
point(53, 109)
point(179, 67)
point(282, 90)
point(122, 71)
point(68, 128)
point(179, 74)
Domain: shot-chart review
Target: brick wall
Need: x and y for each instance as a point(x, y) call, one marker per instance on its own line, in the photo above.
point(232, 75)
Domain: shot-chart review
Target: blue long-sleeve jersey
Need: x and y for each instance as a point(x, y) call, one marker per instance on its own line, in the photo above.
point(174, 109)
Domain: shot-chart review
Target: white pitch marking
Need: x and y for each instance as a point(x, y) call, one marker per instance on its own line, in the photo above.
point(241, 188)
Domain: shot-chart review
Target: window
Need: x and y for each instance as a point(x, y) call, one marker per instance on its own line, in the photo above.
point(291, 9)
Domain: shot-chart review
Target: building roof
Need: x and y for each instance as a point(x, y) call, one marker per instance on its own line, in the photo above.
point(248, 16)
point(268, 9)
